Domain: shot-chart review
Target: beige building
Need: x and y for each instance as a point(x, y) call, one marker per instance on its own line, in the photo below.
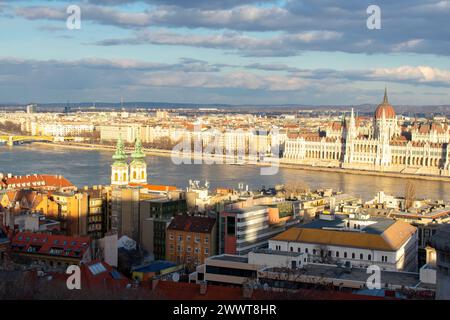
point(384, 148)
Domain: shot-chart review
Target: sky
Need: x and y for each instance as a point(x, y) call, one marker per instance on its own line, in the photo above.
point(307, 52)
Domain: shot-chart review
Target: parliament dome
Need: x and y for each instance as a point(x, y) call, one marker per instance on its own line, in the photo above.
point(386, 108)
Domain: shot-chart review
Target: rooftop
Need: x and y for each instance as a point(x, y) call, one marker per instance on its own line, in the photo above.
point(196, 224)
point(230, 258)
point(385, 235)
point(247, 209)
point(155, 266)
point(55, 245)
point(325, 271)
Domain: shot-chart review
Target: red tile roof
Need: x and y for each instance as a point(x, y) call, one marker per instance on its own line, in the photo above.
point(36, 181)
point(45, 244)
point(98, 274)
point(192, 224)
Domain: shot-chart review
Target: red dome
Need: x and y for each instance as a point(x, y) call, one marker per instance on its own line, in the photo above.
point(389, 111)
point(386, 108)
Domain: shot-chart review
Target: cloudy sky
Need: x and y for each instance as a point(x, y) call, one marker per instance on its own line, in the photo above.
point(225, 51)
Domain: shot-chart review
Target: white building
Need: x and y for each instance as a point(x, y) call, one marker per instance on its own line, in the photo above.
point(360, 242)
point(65, 129)
point(382, 148)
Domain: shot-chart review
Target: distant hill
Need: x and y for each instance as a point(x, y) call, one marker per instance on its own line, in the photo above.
point(410, 110)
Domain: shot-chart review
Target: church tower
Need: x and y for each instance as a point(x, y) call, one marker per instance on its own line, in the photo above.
point(385, 119)
point(119, 168)
point(138, 167)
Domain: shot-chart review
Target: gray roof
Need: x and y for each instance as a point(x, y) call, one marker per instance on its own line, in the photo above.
point(231, 258)
point(378, 227)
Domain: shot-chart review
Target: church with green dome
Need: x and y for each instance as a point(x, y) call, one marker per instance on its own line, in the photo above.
point(123, 173)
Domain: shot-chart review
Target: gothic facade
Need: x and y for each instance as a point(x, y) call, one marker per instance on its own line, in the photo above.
point(384, 147)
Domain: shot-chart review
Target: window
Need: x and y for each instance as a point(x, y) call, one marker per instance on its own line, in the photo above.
point(196, 250)
point(171, 237)
point(230, 226)
point(292, 249)
point(361, 256)
point(197, 238)
point(188, 249)
point(206, 251)
point(180, 238)
point(337, 254)
point(345, 254)
point(369, 257)
point(306, 250)
point(353, 255)
point(314, 251)
point(206, 239)
point(299, 250)
point(188, 238)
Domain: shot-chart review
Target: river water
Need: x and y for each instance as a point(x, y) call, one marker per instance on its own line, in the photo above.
point(93, 167)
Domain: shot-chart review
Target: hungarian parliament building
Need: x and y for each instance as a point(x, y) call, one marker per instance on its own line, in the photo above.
point(385, 145)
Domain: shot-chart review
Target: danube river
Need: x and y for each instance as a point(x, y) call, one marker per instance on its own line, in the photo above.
point(93, 167)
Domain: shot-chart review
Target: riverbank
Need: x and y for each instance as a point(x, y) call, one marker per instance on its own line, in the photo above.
point(168, 153)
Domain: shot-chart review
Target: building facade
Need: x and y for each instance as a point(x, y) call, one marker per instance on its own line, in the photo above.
point(191, 239)
point(359, 242)
point(243, 230)
point(385, 147)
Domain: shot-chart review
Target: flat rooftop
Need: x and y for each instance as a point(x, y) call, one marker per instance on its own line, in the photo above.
point(378, 227)
point(406, 279)
point(247, 209)
point(231, 258)
point(279, 253)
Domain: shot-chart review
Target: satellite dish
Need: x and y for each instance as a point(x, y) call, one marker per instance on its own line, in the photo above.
point(175, 277)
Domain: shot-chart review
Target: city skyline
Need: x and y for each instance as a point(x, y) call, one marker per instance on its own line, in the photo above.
point(225, 52)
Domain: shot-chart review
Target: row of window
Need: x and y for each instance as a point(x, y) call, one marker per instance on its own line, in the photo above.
point(336, 253)
point(188, 238)
point(188, 249)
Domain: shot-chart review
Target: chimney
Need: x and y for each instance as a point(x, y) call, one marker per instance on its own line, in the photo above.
point(203, 287)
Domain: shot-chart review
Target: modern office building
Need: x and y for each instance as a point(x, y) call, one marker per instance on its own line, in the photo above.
point(245, 229)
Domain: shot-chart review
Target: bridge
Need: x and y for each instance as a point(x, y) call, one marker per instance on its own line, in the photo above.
point(11, 140)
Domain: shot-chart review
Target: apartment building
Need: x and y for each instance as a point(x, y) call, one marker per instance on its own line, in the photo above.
point(191, 239)
point(155, 215)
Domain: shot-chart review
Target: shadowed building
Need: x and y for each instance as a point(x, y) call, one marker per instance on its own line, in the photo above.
point(441, 242)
